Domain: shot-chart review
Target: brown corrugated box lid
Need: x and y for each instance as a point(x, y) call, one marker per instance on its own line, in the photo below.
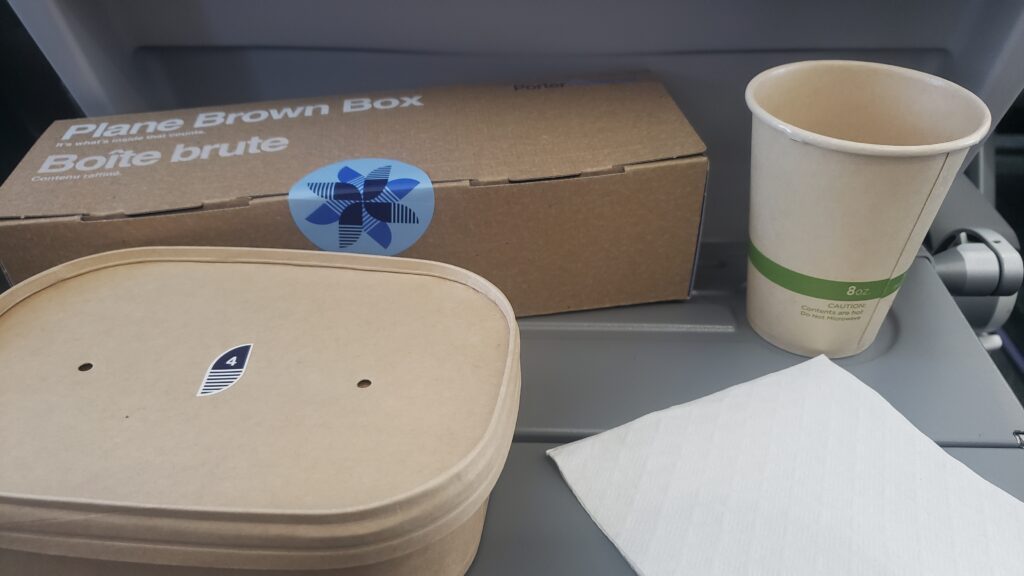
point(475, 134)
point(112, 450)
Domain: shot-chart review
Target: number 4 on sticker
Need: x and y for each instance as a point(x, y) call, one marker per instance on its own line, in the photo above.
point(225, 371)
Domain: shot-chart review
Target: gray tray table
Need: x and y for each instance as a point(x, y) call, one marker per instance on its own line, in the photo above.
point(590, 371)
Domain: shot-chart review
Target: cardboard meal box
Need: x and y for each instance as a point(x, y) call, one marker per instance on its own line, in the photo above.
point(567, 196)
point(229, 411)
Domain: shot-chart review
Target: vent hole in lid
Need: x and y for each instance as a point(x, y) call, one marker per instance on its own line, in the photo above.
point(364, 383)
point(85, 367)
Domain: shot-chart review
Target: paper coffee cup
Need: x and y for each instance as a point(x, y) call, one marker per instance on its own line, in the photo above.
point(850, 162)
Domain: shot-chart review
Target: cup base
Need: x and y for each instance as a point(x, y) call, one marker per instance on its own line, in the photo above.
point(801, 350)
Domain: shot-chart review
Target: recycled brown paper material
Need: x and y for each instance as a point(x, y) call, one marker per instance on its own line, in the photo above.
point(849, 165)
point(806, 471)
point(566, 195)
point(203, 411)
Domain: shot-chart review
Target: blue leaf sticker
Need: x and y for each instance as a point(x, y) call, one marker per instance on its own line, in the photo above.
point(381, 233)
point(379, 210)
point(345, 191)
point(348, 175)
point(352, 216)
point(401, 187)
point(325, 214)
point(375, 182)
point(348, 234)
point(321, 189)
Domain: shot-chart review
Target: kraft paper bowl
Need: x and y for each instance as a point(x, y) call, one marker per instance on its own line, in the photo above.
point(233, 411)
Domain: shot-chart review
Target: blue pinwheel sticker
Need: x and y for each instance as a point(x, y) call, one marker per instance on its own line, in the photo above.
point(360, 205)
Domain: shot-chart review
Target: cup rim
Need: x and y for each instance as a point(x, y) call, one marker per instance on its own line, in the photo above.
point(865, 148)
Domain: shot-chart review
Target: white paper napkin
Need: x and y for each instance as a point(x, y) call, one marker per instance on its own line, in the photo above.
point(805, 471)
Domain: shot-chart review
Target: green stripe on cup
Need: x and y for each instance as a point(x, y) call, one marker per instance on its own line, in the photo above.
point(818, 287)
